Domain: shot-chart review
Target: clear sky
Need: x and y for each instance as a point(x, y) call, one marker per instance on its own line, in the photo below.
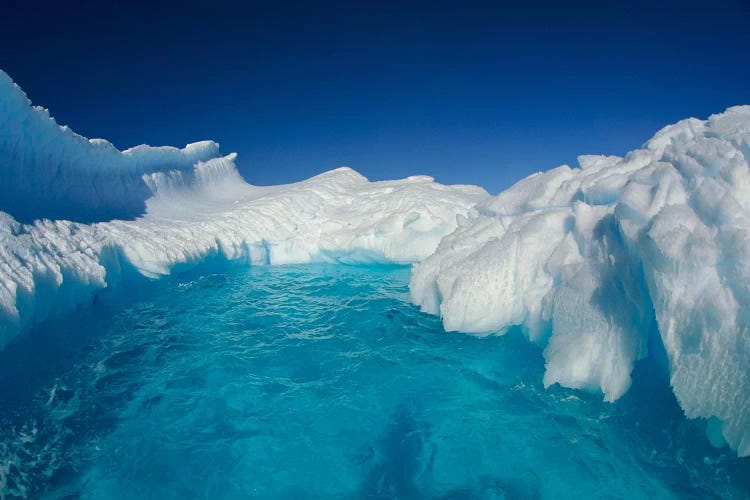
point(481, 93)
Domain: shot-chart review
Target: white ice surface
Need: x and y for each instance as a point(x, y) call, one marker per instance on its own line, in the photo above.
point(587, 261)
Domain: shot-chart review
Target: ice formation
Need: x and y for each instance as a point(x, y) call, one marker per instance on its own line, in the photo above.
point(585, 259)
point(195, 206)
point(588, 261)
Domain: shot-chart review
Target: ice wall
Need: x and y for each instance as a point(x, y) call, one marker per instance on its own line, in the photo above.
point(584, 260)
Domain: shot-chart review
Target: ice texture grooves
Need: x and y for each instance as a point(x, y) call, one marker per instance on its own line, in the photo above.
point(586, 259)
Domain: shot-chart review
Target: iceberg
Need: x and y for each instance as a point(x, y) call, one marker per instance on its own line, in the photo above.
point(64, 201)
point(590, 261)
point(597, 264)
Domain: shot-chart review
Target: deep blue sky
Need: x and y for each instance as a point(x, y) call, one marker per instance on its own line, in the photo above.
point(485, 93)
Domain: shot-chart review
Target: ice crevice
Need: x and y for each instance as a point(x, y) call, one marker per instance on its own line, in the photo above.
point(586, 260)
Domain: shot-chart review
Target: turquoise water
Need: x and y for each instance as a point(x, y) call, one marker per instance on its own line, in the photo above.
point(323, 382)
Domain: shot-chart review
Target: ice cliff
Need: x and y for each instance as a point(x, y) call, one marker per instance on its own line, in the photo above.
point(587, 261)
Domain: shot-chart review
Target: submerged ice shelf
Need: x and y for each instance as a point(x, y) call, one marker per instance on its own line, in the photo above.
point(588, 261)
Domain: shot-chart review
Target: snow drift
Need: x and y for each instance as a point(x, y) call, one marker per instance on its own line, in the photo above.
point(588, 261)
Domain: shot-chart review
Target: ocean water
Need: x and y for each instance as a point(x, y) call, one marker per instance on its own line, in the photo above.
point(323, 382)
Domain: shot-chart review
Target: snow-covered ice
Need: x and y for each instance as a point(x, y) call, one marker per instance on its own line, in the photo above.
point(588, 261)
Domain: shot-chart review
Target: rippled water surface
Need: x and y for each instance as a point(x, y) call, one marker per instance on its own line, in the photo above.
point(323, 382)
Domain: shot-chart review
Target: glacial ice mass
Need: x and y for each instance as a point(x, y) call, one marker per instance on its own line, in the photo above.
point(589, 262)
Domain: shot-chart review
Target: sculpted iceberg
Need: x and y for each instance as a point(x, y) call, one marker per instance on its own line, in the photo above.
point(597, 264)
point(586, 260)
point(191, 205)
